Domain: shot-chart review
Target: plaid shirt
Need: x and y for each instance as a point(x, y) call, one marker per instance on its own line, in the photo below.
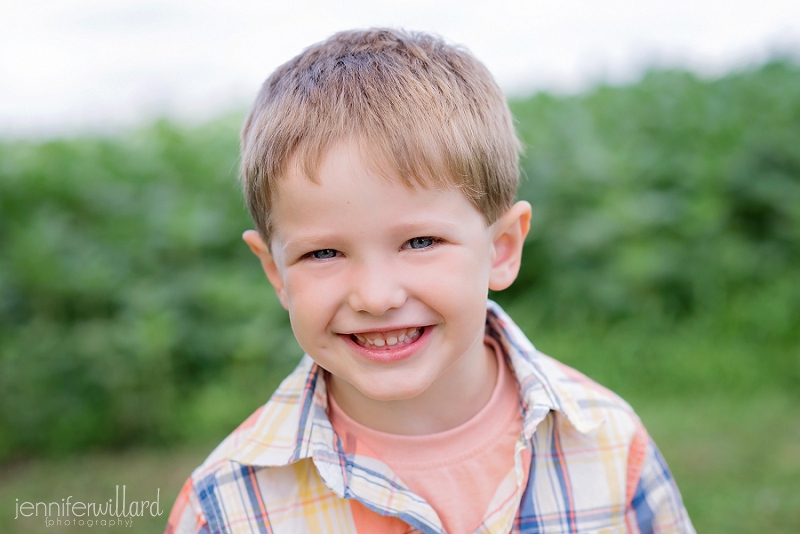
point(593, 468)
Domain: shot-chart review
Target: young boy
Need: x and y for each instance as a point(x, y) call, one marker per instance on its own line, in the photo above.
point(380, 169)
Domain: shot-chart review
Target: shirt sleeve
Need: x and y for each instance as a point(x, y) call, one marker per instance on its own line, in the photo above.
point(654, 502)
point(186, 516)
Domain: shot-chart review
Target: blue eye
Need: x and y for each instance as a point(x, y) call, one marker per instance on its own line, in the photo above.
point(324, 254)
point(420, 242)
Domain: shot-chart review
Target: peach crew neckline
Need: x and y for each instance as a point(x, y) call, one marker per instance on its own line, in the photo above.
point(456, 471)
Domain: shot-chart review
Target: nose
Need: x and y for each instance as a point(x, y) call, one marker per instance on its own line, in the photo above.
point(376, 288)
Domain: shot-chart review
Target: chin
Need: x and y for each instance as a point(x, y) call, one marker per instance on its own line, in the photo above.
point(393, 392)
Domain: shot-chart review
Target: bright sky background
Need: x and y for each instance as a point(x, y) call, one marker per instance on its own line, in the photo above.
point(75, 65)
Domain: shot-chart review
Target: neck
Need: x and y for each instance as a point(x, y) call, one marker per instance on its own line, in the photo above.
point(451, 399)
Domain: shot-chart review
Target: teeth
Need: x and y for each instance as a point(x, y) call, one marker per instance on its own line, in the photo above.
point(390, 338)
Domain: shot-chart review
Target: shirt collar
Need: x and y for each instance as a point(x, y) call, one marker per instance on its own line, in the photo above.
point(544, 383)
point(294, 424)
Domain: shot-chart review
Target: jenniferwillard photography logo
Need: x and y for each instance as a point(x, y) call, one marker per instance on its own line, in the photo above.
point(116, 512)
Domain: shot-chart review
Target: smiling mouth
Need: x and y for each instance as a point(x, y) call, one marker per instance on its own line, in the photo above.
point(388, 340)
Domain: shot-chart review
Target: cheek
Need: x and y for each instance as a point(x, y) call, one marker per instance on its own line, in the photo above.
point(458, 284)
point(300, 297)
point(312, 302)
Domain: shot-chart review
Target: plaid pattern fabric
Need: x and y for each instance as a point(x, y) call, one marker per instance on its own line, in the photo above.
point(593, 468)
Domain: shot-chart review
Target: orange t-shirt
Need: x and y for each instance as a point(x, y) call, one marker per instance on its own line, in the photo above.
point(456, 471)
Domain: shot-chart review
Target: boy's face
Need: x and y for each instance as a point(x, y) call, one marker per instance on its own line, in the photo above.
point(385, 285)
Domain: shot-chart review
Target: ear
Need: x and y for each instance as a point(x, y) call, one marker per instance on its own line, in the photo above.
point(261, 249)
point(509, 236)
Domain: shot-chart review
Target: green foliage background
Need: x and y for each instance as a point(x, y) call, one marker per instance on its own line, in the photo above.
point(664, 259)
point(130, 311)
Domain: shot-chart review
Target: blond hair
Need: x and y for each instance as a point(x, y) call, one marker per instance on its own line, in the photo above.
point(430, 109)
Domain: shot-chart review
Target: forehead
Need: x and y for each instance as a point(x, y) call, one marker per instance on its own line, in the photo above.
point(352, 190)
point(377, 155)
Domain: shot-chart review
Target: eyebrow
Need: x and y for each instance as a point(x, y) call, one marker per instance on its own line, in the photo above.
point(331, 240)
point(308, 242)
point(423, 226)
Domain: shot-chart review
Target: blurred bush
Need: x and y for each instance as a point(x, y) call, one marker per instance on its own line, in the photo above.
point(130, 310)
point(672, 195)
point(670, 206)
point(665, 246)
